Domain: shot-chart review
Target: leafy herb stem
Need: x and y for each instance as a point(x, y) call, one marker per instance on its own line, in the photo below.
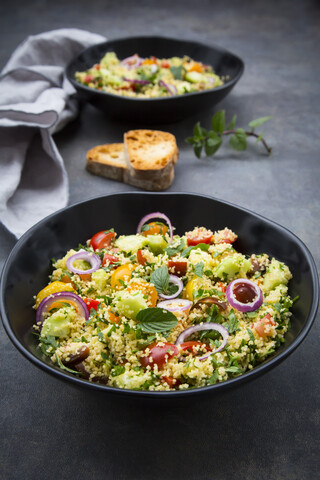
point(251, 133)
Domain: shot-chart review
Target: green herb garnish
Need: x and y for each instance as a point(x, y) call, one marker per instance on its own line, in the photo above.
point(154, 320)
point(211, 140)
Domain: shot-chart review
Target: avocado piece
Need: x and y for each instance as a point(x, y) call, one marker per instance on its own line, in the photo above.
point(100, 278)
point(130, 305)
point(277, 274)
point(131, 243)
point(231, 266)
point(57, 325)
point(156, 243)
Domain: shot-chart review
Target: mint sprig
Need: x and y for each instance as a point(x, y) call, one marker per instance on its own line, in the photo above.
point(211, 140)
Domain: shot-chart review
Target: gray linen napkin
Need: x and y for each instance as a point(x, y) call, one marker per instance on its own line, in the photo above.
point(36, 101)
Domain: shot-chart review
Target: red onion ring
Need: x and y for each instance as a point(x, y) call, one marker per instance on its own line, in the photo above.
point(89, 257)
point(171, 89)
point(148, 217)
point(244, 307)
point(177, 281)
point(67, 297)
point(132, 62)
point(138, 82)
point(181, 305)
point(205, 326)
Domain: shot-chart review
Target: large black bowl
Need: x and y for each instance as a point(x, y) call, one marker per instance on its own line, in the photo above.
point(157, 110)
point(28, 266)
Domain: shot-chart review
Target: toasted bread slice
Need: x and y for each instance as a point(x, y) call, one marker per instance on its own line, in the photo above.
point(107, 161)
point(150, 149)
point(145, 160)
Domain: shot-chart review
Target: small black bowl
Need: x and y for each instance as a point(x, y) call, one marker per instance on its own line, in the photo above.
point(157, 110)
point(29, 264)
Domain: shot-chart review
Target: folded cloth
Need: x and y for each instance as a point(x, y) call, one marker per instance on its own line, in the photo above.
point(36, 100)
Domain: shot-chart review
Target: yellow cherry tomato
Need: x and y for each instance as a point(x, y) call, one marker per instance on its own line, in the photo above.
point(155, 228)
point(53, 288)
point(121, 274)
point(193, 285)
point(146, 289)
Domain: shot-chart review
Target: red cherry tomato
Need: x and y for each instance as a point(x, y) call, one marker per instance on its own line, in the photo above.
point(221, 286)
point(171, 381)
point(178, 268)
point(102, 239)
point(91, 303)
point(189, 346)
point(88, 78)
point(141, 259)
point(165, 64)
point(199, 235)
point(159, 354)
point(110, 258)
point(262, 327)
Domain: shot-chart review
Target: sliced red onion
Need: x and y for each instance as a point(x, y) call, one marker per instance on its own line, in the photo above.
point(176, 281)
point(171, 89)
point(205, 326)
point(148, 217)
point(136, 81)
point(132, 62)
point(59, 297)
point(210, 301)
point(175, 305)
point(89, 257)
point(240, 305)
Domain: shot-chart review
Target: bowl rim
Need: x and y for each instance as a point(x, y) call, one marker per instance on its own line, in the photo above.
point(219, 49)
point(255, 372)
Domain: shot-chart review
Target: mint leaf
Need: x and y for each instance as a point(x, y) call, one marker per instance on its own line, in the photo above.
point(197, 131)
point(178, 72)
point(171, 251)
point(212, 144)
point(218, 121)
point(202, 246)
point(161, 280)
point(238, 141)
point(232, 124)
point(154, 320)
point(259, 121)
point(197, 150)
point(198, 269)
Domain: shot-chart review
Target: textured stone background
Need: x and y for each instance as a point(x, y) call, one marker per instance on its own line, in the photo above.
point(267, 429)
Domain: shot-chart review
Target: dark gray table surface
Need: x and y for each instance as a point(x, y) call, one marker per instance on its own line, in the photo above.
point(269, 428)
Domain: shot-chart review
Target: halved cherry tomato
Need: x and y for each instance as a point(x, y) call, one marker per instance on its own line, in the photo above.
point(102, 239)
point(191, 347)
point(159, 354)
point(97, 66)
point(228, 236)
point(171, 381)
point(262, 326)
point(110, 259)
point(199, 235)
point(121, 274)
point(91, 303)
point(146, 289)
point(88, 78)
point(178, 267)
point(113, 318)
point(140, 257)
point(221, 286)
point(196, 67)
point(53, 288)
point(150, 61)
point(155, 228)
point(86, 277)
point(165, 64)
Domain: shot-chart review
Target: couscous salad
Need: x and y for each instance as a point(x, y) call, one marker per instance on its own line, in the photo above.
point(159, 311)
point(150, 77)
